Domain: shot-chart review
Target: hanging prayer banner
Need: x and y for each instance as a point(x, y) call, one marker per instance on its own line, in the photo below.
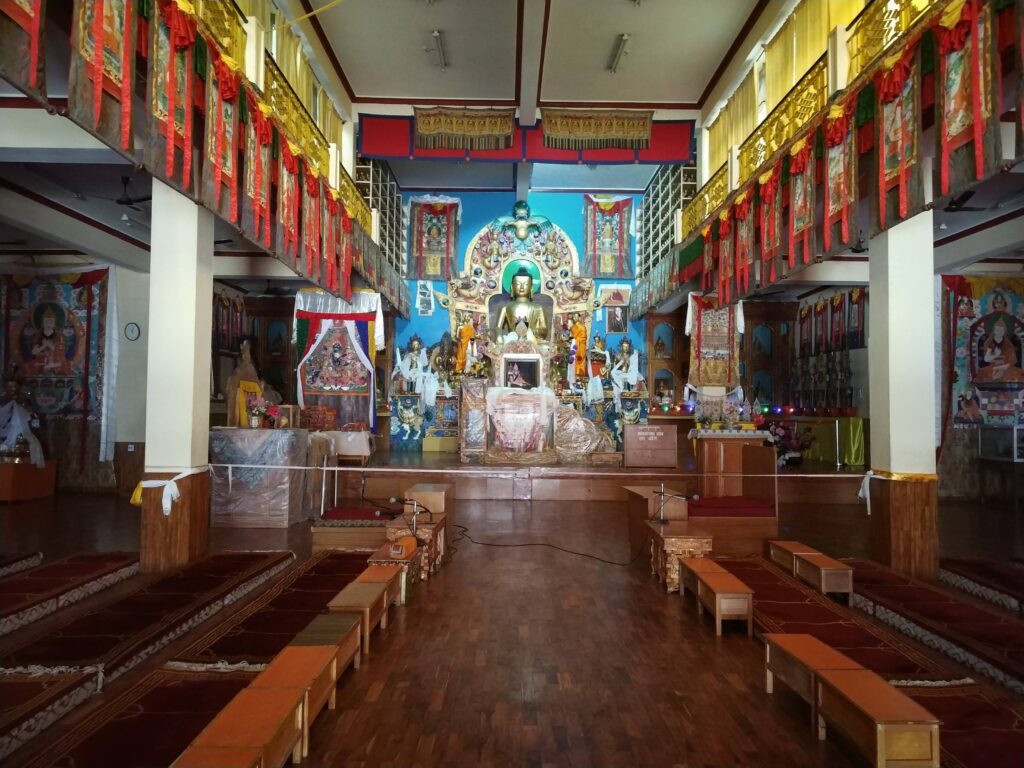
point(606, 224)
point(470, 129)
point(579, 129)
point(170, 95)
point(855, 321)
point(21, 45)
point(707, 275)
point(806, 331)
point(838, 322)
point(801, 199)
point(435, 236)
point(744, 239)
point(103, 70)
point(714, 347)
point(311, 248)
point(821, 327)
point(898, 168)
point(770, 221)
point(968, 131)
point(725, 256)
point(220, 179)
point(258, 170)
point(840, 186)
point(289, 202)
point(346, 252)
point(331, 228)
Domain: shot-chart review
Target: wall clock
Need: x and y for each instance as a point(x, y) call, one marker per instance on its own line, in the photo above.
point(132, 331)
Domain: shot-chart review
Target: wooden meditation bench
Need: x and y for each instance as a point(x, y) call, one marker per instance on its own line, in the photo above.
point(409, 562)
point(727, 598)
point(265, 722)
point(823, 573)
point(887, 726)
point(690, 567)
point(796, 660)
point(784, 553)
point(388, 575)
point(369, 601)
point(311, 669)
point(338, 631)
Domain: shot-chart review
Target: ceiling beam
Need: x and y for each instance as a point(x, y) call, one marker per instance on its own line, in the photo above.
point(524, 175)
point(36, 136)
point(252, 266)
point(965, 248)
point(533, 35)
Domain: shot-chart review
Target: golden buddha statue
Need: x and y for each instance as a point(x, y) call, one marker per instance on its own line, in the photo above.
point(522, 309)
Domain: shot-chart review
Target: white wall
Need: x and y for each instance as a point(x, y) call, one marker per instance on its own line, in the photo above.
point(133, 307)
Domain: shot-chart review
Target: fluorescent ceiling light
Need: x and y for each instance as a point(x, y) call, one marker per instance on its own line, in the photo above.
point(620, 51)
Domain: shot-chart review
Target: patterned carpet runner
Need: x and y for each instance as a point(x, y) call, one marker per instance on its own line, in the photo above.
point(15, 563)
point(999, 583)
point(37, 592)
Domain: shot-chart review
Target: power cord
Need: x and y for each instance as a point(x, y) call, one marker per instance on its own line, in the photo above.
point(464, 534)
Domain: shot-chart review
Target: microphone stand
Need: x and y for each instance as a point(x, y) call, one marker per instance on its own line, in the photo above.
point(661, 506)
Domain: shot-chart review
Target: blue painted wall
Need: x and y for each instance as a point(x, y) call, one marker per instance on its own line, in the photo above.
point(565, 209)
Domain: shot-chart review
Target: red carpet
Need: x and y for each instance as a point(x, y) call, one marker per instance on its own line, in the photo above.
point(147, 726)
point(259, 631)
point(993, 637)
point(730, 506)
point(373, 514)
point(31, 703)
point(113, 638)
point(981, 727)
point(1000, 583)
point(11, 564)
point(38, 592)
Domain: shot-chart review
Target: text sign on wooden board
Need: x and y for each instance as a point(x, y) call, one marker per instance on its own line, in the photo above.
point(650, 445)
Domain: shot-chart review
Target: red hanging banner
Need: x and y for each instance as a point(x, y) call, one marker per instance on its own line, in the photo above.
point(840, 183)
point(771, 238)
point(801, 198)
point(744, 239)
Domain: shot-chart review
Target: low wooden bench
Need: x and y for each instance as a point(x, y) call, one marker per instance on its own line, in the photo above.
point(314, 670)
point(340, 631)
point(796, 660)
point(409, 563)
point(219, 757)
point(689, 567)
point(268, 720)
point(823, 573)
point(388, 575)
point(887, 726)
point(727, 598)
point(784, 553)
point(368, 600)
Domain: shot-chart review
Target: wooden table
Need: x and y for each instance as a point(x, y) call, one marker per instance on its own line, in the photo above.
point(728, 597)
point(671, 540)
point(410, 565)
point(720, 459)
point(647, 498)
point(312, 669)
point(430, 532)
point(340, 631)
point(784, 553)
point(266, 719)
point(887, 726)
point(388, 575)
point(370, 601)
point(796, 660)
point(690, 567)
point(823, 573)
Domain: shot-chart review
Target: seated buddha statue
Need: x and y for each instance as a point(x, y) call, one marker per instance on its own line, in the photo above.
point(522, 308)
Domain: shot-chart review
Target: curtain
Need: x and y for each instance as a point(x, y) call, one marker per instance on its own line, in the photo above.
point(810, 35)
point(743, 110)
point(778, 64)
point(842, 12)
point(718, 140)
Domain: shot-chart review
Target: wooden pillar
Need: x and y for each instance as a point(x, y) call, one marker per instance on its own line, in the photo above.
point(902, 373)
point(178, 380)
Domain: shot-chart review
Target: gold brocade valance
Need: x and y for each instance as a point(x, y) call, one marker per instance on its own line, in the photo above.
point(580, 129)
point(473, 129)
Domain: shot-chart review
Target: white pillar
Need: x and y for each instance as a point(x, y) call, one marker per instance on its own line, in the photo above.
point(347, 149)
point(901, 347)
point(180, 324)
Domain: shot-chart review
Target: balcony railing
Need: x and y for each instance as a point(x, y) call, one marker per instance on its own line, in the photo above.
point(878, 26)
point(708, 198)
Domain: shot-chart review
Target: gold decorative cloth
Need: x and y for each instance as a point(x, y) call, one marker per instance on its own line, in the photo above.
point(473, 129)
point(596, 129)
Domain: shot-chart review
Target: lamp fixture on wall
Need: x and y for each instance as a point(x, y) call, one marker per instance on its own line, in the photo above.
point(442, 58)
point(620, 51)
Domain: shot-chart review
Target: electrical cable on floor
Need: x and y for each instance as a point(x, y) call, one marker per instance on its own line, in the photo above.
point(464, 534)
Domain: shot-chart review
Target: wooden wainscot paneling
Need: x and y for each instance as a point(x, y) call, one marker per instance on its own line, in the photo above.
point(904, 525)
point(129, 463)
point(182, 537)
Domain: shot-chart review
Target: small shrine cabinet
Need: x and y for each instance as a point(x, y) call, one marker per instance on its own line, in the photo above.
point(768, 350)
point(668, 356)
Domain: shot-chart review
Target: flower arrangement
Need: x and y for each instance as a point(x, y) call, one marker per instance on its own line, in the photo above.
point(789, 441)
point(259, 409)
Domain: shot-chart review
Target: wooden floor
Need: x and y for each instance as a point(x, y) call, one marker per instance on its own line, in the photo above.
point(532, 656)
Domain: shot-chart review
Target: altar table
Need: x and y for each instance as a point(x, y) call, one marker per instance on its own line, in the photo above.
point(673, 540)
point(720, 459)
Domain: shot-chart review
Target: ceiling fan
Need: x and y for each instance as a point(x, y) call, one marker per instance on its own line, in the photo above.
point(130, 200)
point(959, 203)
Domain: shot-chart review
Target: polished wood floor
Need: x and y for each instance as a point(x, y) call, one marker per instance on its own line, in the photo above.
point(533, 656)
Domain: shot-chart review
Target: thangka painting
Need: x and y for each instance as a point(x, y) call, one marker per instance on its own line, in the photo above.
point(714, 342)
point(435, 236)
point(256, 179)
point(55, 339)
point(21, 44)
point(840, 186)
point(801, 202)
point(988, 356)
point(336, 372)
point(102, 69)
point(898, 170)
point(170, 87)
point(606, 224)
point(220, 183)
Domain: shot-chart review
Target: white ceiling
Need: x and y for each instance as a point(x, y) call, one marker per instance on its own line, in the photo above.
point(591, 178)
point(674, 49)
point(439, 175)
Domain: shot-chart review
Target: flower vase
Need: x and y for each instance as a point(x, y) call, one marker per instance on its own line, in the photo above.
point(255, 422)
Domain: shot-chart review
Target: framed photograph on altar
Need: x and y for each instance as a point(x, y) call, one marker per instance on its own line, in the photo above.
point(521, 371)
point(618, 319)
